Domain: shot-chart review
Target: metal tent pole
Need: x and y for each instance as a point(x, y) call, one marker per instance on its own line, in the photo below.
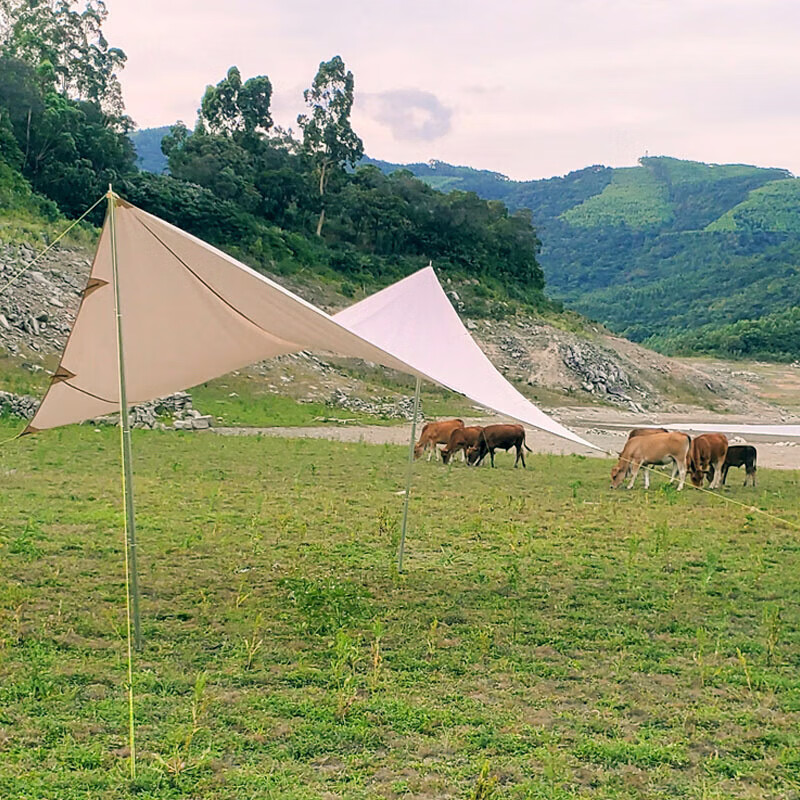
point(131, 571)
point(402, 547)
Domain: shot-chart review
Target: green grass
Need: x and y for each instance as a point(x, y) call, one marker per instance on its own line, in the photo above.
point(244, 400)
point(583, 643)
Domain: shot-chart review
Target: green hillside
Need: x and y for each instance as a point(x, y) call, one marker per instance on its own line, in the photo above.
point(634, 198)
point(772, 207)
point(147, 143)
point(685, 256)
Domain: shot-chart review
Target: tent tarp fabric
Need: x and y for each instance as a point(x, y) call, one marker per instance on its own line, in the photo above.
point(190, 313)
point(414, 320)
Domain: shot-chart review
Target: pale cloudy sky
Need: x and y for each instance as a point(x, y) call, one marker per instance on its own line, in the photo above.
point(531, 89)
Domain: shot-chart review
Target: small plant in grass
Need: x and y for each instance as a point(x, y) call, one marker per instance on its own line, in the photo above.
point(484, 642)
point(660, 536)
point(252, 644)
point(745, 668)
point(328, 604)
point(432, 637)
point(575, 485)
point(486, 785)
point(700, 656)
point(344, 664)
point(386, 521)
point(181, 761)
point(670, 492)
point(376, 655)
point(771, 620)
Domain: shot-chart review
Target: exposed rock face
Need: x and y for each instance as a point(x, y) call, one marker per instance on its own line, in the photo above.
point(387, 407)
point(18, 405)
point(597, 372)
point(150, 415)
point(37, 310)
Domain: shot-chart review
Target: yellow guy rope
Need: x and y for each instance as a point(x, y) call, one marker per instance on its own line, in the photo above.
point(53, 243)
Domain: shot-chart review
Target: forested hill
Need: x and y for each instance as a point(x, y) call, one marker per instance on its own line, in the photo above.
point(684, 256)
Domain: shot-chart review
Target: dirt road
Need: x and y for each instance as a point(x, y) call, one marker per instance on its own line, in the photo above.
point(605, 427)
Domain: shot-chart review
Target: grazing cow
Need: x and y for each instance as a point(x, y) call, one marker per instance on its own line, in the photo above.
point(741, 455)
point(657, 448)
point(645, 432)
point(461, 439)
point(706, 457)
point(502, 437)
point(434, 433)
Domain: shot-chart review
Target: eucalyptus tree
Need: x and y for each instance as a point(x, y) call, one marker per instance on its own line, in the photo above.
point(328, 136)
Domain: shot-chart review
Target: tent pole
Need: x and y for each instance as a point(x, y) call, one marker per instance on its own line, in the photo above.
point(131, 572)
point(411, 444)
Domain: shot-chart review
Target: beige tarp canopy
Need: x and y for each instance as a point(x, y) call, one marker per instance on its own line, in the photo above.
point(190, 313)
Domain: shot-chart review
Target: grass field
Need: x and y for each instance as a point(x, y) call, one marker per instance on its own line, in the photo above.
point(549, 638)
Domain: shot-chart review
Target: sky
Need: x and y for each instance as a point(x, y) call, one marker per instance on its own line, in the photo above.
point(528, 88)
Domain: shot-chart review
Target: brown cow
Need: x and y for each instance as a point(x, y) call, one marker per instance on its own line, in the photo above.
point(434, 433)
point(502, 437)
point(461, 439)
point(657, 448)
point(645, 432)
point(706, 457)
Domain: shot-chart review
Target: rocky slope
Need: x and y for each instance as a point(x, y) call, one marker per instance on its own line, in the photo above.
point(552, 364)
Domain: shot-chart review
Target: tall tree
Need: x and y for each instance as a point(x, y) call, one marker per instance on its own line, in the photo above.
point(65, 44)
point(328, 136)
point(235, 108)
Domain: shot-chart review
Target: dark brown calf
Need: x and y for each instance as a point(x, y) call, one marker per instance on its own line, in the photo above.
point(498, 437)
point(461, 439)
point(741, 455)
point(706, 457)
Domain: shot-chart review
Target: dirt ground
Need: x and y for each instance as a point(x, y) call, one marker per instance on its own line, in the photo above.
point(605, 427)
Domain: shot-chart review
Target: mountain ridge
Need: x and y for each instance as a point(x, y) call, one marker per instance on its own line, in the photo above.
point(667, 253)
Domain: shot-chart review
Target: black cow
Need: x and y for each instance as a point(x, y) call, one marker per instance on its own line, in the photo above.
point(741, 455)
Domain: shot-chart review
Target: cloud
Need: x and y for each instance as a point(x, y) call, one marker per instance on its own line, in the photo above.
point(410, 114)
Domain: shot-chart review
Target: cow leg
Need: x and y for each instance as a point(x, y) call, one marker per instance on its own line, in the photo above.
point(522, 456)
point(674, 471)
point(717, 479)
point(725, 468)
point(491, 456)
point(463, 455)
point(682, 474)
point(635, 466)
point(646, 477)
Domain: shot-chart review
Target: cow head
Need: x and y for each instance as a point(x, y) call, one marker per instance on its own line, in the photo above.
point(418, 450)
point(445, 455)
point(698, 467)
point(618, 473)
point(473, 454)
point(696, 475)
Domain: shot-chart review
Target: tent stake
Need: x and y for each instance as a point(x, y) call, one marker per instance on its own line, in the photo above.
point(411, 444)
point(131, 572)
